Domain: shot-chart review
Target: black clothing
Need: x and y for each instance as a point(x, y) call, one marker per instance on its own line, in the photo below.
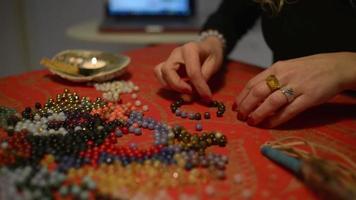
point(301, 28)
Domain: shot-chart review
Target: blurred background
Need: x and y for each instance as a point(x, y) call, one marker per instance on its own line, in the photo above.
point(31, 30)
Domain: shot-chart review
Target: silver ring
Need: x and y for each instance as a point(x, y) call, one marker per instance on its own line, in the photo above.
point(288, 93)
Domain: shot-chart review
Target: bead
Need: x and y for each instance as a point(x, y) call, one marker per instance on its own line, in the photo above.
point(209, 190)
point(197, 116)
point(237, 178)
point(198, 127)
point(134, 96)
point(191, 116)
point(4, 145)
point(118, 133)
point(178, 112)
point(207, 115)
point(138, 103)
point(145, 108)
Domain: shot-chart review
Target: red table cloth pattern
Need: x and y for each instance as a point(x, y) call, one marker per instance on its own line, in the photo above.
point(331, 125)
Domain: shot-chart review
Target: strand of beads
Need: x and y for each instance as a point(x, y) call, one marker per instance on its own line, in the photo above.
point(175, 108)
point(197, 116)
point(198, 142)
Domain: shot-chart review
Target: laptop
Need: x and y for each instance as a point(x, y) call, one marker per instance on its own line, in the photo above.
point(153, 16)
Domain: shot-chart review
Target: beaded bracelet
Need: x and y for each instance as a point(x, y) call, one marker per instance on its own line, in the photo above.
point(197, 116)
point(215, 33)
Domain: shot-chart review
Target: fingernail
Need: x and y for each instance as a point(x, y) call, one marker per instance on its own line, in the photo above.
point(250, 121)
point(234, 106)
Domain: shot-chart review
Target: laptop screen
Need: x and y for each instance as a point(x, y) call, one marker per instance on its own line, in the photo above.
point(149, 7)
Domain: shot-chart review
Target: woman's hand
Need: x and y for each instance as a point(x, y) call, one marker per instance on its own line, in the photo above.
point(198, 60)
point(313, 79)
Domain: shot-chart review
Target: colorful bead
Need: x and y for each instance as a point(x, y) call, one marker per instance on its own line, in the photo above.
point(198, 127)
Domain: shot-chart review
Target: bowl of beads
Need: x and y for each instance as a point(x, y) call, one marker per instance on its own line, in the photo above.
point(85, 65)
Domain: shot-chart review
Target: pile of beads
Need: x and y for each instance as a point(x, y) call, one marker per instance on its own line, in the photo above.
point(112, 90)
point(197, 116)
point(66, 101)
point(71, 148)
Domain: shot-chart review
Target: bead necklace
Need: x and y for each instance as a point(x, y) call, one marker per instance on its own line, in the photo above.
point(197, 116)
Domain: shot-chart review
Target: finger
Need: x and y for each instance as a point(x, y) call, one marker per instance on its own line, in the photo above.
point(171, 77)
point(273, 103)
point(158, 74)
point(260, 77)
point(256, 96)
point(208, 68)
point(297, 106)
point(193, 68)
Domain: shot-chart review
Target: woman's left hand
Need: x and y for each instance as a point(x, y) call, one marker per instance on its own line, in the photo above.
point(312, 79)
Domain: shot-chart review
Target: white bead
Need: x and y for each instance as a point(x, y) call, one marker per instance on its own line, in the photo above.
point(209, 190)
point(138, 103)
point(145, 108)
point(237, 178)
point(37, 117)
point(134, 96)
point(4, 145)
point(136, 88)
point(246, 193)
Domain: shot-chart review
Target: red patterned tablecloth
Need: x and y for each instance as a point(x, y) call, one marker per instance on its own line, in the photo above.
point(331, 125)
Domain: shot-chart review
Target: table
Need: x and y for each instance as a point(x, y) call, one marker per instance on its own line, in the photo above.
point(331, 125)
point(88, 31)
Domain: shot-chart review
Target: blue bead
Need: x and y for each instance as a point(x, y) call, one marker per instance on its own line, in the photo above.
point(151, 126)
point(118, 133)
point(178, 112)
point(183, 115)
point(198, 127)
point(132, 129)
point(138, 131)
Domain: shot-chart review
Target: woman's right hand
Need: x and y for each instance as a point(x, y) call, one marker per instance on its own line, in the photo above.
point(200, 60)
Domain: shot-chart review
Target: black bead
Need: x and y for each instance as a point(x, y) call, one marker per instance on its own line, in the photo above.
point(197, 116)
point(38, 105)
point(173, 109)
point(179, 102)
point(28, 109)
point(214, 104)
point(219, 113)
point(207, 115)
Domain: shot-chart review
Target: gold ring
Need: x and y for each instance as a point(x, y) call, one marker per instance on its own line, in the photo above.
point(288, 93)
point(273, 83)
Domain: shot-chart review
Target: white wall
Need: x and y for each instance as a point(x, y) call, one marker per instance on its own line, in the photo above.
point(34, 29)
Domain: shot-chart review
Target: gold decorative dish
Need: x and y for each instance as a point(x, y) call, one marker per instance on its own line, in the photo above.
point(85, 65)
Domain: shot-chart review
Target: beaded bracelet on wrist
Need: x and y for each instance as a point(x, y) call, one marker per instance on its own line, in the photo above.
point(215, 33)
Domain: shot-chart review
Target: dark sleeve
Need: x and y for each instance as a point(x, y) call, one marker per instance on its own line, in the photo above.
point(232, 19)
